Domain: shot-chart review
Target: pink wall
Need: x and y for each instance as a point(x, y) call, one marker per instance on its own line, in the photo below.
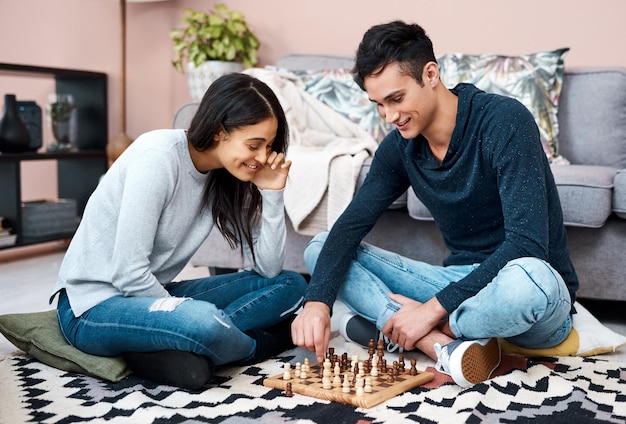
point(85, 34)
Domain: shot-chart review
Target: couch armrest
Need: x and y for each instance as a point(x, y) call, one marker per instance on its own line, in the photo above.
point(619, 194)
point(183, 116)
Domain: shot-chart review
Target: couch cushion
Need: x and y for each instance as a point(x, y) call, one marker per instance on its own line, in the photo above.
point(592, 116)
point(533, 79)
point(416, 208)
point(337, 89)
point(585, 192)
point(619, 194)
point(328, 79)
point(365, 168)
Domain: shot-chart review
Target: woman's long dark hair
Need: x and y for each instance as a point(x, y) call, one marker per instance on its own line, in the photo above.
point(232, 102)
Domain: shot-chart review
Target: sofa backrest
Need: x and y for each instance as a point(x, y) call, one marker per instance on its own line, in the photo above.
point(592, 109)
point(183, 116)
point(592, 116)
point(310, 62)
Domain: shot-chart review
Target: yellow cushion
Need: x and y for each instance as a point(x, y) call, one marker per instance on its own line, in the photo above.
point(588, 337)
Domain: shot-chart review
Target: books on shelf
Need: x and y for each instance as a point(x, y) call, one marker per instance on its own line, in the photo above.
point(6, 236)
point(8, 240)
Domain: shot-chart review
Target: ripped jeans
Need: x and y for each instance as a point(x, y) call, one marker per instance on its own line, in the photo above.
point(207, 316)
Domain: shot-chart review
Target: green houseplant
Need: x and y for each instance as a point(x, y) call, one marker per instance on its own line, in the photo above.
point(220, 38)
point(222, 35)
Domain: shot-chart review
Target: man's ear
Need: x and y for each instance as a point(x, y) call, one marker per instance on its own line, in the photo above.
point(430, 75)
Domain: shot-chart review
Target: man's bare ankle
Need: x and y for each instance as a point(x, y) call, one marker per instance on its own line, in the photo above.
point(444, 327)
point(427, 343)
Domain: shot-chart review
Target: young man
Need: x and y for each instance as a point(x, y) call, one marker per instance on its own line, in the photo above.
point(476, 161)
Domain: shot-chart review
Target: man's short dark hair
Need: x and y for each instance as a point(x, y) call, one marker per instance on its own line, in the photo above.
point(397, 41)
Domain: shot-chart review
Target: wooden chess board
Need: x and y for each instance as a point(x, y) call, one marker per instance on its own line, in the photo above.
point(382, 388)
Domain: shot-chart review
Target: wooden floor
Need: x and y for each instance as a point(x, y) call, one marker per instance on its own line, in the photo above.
point(28, 276)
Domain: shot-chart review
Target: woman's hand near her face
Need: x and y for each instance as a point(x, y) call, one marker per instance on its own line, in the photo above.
point(273, 174)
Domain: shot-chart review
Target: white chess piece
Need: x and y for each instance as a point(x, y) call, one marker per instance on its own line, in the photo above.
point(337, 380)
point(287, 373)
point(326, 383)
point(374, 371)
point(361, 369)
point(358, 384)
point(368, 385)
point(346, 384)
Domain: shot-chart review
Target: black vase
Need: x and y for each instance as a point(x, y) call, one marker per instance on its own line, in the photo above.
point(14, 136)
point(30, 114)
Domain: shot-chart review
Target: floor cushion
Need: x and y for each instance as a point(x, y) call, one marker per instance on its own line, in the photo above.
point(588, 337)
point(39, 335)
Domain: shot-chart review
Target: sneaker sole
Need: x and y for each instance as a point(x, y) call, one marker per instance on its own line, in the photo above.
point(477, 361)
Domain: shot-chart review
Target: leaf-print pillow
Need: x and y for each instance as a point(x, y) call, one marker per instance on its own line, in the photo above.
point(533, 79)
point(337, 89)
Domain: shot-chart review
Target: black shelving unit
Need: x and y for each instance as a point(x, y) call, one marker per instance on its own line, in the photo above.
point(78, 172)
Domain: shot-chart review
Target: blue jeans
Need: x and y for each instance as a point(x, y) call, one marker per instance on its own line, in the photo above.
point(527, 302)
point(210, 321)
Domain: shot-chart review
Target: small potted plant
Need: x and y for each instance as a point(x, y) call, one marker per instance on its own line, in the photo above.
point(212, 44)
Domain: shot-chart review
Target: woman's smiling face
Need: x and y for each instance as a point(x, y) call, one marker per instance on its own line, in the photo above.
point(243, 152)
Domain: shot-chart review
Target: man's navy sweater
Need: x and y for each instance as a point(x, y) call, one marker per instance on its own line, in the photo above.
point(493, 197)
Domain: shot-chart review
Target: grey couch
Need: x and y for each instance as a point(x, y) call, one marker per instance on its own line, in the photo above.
point(592, 120)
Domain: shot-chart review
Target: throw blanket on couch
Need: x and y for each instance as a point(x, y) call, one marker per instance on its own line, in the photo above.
point(327, 150)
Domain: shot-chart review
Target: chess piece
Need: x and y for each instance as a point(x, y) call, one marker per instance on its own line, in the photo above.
point(390, 378)
point(287, 373)
point(346, 385)
point(288, 390)
point(360, 391)
point(326, 372)
point(401, 363)
point(374, 371)
point(367, 388)
point(380, 349)
point(413, 370)
point(326, 383)
point(375, 362)
point(298, 370)
point(337, 380)
point(396, 369)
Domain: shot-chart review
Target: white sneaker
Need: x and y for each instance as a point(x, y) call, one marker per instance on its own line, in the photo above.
point(468, 362)
point(357, 329)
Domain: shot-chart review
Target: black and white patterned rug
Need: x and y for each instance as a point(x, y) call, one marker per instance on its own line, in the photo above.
point(563, 390)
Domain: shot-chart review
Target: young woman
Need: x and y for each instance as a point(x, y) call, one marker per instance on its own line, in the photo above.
point(150, 213)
